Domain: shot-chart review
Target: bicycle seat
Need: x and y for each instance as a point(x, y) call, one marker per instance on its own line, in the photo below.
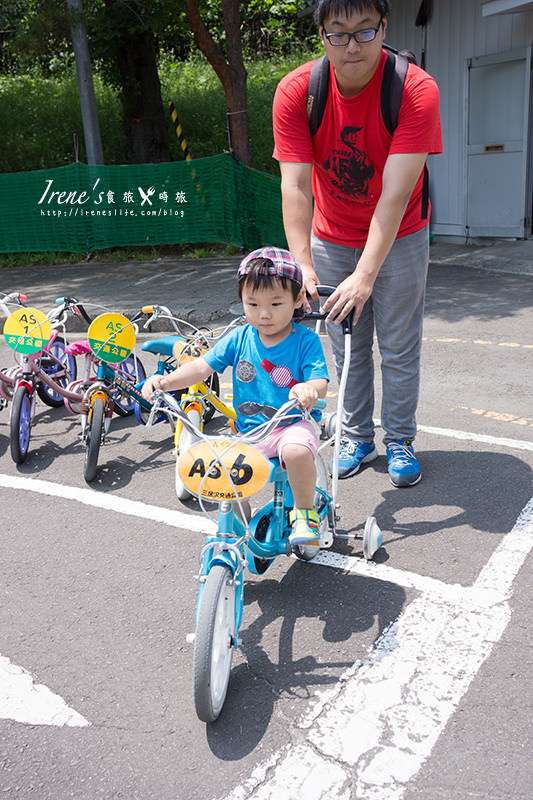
point(162, 346)
point(78, 348)
point(276, 470)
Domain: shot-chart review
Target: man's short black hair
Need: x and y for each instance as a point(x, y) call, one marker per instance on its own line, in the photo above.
point(326, 8)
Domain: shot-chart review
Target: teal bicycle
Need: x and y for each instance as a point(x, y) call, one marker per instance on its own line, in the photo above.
point(227, 470)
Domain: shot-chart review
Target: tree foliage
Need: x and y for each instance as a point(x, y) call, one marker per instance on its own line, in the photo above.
point(127, 39)
point(35, 36)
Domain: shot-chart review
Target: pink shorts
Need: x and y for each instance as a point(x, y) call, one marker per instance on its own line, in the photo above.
point(302, 432)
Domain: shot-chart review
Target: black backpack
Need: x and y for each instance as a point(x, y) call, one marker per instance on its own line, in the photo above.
point(391, 98)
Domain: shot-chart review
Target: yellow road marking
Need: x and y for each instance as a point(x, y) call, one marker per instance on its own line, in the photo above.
point(450, 340)
point(500, 416)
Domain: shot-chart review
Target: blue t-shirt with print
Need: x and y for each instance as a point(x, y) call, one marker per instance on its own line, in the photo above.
point(263, 376)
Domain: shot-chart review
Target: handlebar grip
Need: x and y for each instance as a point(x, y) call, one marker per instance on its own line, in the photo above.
point(147, 309)
point(83, 313)
point(320, 404)
point(326, 291)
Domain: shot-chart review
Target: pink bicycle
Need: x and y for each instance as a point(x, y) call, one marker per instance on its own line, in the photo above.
point(8, 375)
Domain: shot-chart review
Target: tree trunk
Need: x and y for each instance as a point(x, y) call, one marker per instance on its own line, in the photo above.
point(144, 119)
point(84, 75)
point(231, 72)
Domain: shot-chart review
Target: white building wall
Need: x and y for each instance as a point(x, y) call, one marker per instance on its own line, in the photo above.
point(456, 32)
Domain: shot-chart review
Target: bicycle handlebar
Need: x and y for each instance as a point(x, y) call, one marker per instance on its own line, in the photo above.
point(68, 305)
point(13, 297)
point(155, 311)
point(326, 291)
point(161, 398)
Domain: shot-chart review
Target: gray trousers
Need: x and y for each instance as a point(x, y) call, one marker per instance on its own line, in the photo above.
point(395, 310)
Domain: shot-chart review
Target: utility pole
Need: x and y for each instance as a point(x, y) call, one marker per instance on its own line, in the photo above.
point(89, 114)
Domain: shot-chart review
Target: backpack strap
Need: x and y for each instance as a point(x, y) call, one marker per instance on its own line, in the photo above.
point(317, 93)
point(391, 100)
point(392, 87)
point(424, 206)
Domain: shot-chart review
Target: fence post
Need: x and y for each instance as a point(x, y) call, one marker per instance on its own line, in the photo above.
point(179, 132)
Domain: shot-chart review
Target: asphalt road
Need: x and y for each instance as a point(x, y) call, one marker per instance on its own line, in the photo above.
point(410, 677)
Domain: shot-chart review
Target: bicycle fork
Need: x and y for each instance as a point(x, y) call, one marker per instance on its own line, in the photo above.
point(225, 549)
point(87, 407)
point(27, 379)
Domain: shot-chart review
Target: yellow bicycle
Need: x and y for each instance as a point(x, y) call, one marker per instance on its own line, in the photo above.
point(195, 403)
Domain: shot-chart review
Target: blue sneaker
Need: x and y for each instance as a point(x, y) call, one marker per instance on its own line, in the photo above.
point(404, 469)
point(352, 455)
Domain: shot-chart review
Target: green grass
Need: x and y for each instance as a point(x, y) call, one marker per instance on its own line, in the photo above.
point(38, 120)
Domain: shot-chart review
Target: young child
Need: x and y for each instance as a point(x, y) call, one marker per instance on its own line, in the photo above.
point(273, 359)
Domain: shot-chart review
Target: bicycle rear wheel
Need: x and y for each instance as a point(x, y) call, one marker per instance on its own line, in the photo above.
point(214, 384)
point(93, 438)
point(213, 643)
point(20, 424)
point(132, 371)
point(61, 367)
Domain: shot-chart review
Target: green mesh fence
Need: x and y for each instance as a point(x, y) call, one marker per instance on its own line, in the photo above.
point(82, 208)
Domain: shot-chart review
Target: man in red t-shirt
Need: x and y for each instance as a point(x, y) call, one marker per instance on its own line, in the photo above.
point(352, 198)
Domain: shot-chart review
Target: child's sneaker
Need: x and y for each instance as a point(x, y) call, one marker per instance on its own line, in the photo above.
point(352, 455)
point(305, 528)
point(404, 469)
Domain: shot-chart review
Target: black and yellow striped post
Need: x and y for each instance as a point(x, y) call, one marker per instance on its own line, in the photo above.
point(179, 132)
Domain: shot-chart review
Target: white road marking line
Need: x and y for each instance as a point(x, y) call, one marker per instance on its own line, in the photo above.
point(109, 502)
point(152, 277)
point(408, 580)
point(34, 704)
point(467, 436)
point(374, 730)
point(516, 444)
point(22, 700)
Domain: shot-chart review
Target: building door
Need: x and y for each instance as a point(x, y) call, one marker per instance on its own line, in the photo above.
point(498, 189)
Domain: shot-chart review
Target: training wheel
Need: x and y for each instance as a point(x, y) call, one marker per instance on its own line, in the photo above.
point(372, 538)
point(330, 425)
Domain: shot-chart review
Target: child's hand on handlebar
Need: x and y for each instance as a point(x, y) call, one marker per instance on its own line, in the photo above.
point(151, 384)
point(306, 394)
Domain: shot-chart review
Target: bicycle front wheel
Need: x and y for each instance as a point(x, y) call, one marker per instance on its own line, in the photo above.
point(214, 642)
point(20, 424)
point(61, 367)
point(95, 425)
point(185, 440)
point(132, 371)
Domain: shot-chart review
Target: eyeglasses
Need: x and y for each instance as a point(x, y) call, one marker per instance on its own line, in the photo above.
point(361, 37)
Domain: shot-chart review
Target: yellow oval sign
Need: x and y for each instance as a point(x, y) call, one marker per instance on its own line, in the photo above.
point(187, 351)
point(111, 337)
point(27, 330)
point(248, 468)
